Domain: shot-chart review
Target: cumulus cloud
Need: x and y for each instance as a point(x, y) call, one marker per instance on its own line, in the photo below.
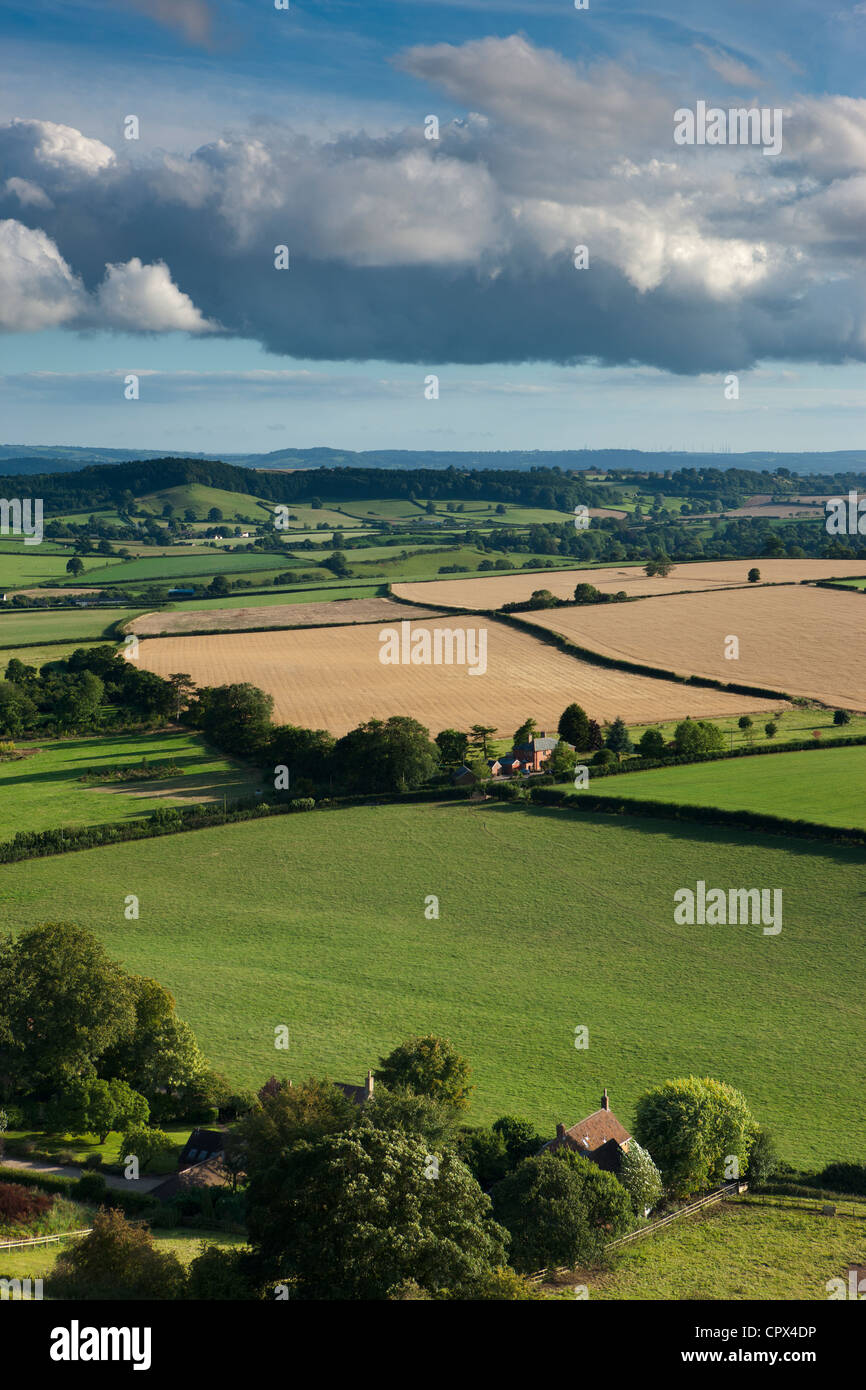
point(37, 288)
point(143, 298)
point(461, 249)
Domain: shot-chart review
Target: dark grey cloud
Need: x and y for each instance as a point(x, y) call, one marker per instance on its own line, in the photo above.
point(461, 249)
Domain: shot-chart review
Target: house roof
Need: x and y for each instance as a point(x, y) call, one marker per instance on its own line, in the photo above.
point(201, 1144)
point(359, 1094)
point(537, 745)
point(211, 1172)
point(592, 1135)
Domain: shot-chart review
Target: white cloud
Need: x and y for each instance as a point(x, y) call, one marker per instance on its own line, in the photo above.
point(144, 299)
point(60, 148)
point(37, 288)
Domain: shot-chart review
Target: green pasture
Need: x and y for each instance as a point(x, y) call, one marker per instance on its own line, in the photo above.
point(185, 1244)
point(547, 922)
point(23, 626)
point(42, 791)
point(158, 568)
point(825, 786)
point(741, 1250)
point(247, 600)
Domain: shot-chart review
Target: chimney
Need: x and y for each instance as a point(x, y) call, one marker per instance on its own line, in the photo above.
point(560, 1131)
point(605, 1102)
point(369, 1084)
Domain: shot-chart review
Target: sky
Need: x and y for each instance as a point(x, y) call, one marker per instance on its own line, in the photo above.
point(155, 154)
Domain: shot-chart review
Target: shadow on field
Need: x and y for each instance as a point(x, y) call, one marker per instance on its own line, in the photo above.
point(678, 830)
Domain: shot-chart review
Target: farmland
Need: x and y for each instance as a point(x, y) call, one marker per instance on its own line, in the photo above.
point(369, 610)
point(22, 626)
point(318, 922)
point(492, 592)
point(43, 790)
point(333, 678)
point(741, 1250)
point(805, 641)
point(824, 786)
point(156, 568)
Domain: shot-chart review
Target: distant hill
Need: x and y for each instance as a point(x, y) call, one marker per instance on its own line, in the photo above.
point(24, 460)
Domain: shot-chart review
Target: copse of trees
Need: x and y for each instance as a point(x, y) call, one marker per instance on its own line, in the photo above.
point(77, 1030)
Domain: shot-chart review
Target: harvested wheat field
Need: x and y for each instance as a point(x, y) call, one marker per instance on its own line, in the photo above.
point(801, 640)
point(337, 614)
point(332, 678)
point(697, 574)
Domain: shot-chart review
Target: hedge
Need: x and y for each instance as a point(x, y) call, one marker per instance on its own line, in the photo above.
point(132, 1203)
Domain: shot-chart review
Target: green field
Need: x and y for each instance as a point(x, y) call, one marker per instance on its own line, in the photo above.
point(547, 922)
point(25, 626)
point(38, 656)
point(252, 600)
point(158, 568)
point(823, 786)
point(24, 567)
point(740, 1250)
point(185, 1244)
point(792, 724)
point(42, 791)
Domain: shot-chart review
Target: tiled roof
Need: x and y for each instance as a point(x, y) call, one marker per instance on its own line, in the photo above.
point(592, 1134)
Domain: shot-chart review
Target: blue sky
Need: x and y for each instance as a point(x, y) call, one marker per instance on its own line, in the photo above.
point(410, 257)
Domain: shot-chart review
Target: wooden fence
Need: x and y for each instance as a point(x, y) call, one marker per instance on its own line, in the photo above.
point(43, 1240)
point(711, 1197)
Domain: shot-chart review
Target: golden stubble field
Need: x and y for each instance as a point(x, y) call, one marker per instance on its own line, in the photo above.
point(801, 640)
point(492, 592)
point(332, 678)
point(337, 613)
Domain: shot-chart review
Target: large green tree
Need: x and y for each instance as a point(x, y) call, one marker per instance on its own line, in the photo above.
point(574, 726)
point(117, 1260)
point(90, 1105)
point(160, 1053)
point(357, 1214)
point(694, 1127)
point(429, 1066)
point(64, 1003)
point(386, 755)
point(235, 717)
point(560, 1209)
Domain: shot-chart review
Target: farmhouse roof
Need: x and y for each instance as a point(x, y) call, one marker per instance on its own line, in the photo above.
point(359, 1094)
point(598, 1136)
point(542, 744)
point(201, 1144)
point(211, 1172)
